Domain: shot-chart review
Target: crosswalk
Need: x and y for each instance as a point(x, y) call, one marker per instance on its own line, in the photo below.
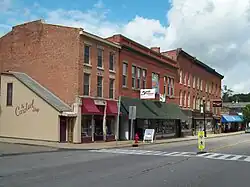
point(216, 156)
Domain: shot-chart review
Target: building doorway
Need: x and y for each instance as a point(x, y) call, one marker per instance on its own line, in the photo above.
point(63, 129)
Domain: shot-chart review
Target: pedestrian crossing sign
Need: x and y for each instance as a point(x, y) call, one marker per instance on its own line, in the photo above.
point(201, 140)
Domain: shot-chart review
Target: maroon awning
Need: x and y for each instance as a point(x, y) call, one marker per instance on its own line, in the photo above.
point(112, 108)
point(89, 107)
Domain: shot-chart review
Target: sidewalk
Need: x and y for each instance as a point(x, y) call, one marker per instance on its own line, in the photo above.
point(106, 145)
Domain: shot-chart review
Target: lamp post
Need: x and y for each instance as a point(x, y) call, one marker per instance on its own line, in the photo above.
point(204, 116)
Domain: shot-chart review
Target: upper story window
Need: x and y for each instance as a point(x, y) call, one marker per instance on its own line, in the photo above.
point(155, 82)
point(210, 88)
point(86, 54)
point(194, 102)
point(181, 98)
point(170, 82)
point(99, 86)
point(124, 74)
point(9, 94)
point(189, 79)
point(138, 78)
point(212, 91)
point(185, 99)
point(194, 83)
point(198, 83)
point(188, 100)
point(111, 61)
point(133, 76)
point(99, 58)
point(181, 78)
point(206, 87)
point(185, 78)
point(144, 77)
point(86, 84)
point(201, 85)
point(198, 104)
point(111, 88)
point(208, 106)
point(165, 85)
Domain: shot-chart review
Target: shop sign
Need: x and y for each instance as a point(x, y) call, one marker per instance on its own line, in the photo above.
point(26, 107)
point(147, 93)
point(149, 135)
point(217, 103)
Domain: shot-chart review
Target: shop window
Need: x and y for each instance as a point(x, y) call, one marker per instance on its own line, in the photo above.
point(9, 94)
point(144, 76)
point(111, 61)
point(124, 74)
point(99, 86)
point(133, 76)
point(99, 58)
point(111, 88)
point(86, 125)
point(86, 54)
point(86, 85)
point(138, 78)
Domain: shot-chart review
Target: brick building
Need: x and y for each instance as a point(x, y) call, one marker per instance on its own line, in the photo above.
point(197, 83)
point(144, 68)
point(77, 67)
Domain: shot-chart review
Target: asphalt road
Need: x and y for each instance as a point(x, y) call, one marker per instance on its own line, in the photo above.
point(174, 165)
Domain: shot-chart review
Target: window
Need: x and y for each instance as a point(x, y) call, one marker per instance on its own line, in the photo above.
point(86, 86)
point(9, 94)
point(144, 75)
point(138, 78)
point(99, 86)
point(111, 88)
point(111, 61)
point(201, 85)
point(212, 91)
point(155, 82)
point(194, 103)
point(185, 99)
point(201, 104)
point(124, 74)
point(194, 81)
point(86, 54)
point(197, 104)
point(210, 88)
point(216, 90)
point(208, 106)
point(181, 99)
point(189, 77)
point(198, 83)
point(189, 99)
point(165, 85)
point(185, 79)
point(133, 76)
point(99, 58)
point(181, 78)
point(206, 87)
point(171, 87)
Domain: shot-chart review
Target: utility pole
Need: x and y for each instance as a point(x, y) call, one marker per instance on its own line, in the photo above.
point(204, 116)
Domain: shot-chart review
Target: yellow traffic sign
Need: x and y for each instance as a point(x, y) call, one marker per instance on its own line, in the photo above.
point(201, 140)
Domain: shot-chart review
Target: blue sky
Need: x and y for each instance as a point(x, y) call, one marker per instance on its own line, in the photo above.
point(214, 31)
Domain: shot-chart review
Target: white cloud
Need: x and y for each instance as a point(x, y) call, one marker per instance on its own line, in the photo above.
point(215, 31)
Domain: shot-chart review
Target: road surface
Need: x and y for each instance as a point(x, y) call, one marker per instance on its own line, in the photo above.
point(227, 163)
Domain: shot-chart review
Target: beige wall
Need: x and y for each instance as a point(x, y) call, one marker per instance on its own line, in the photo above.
point(41, 125)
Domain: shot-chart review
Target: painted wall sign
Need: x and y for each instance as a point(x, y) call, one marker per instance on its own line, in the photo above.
point(23, 108)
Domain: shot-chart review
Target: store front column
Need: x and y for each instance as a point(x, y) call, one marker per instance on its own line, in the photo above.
point(93, 128)
point(77, 125)
point(104, 123)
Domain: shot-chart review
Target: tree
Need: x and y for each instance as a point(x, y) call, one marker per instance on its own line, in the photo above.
point(226, 94)
point(246, 113)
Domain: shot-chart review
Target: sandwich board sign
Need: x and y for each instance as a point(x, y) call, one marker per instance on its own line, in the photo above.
point(201, 140)
point(149, 135)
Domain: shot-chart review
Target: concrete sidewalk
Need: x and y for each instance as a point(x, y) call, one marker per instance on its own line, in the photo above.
point(106, 145)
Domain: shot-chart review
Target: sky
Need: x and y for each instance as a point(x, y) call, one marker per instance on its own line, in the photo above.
point(214, 31)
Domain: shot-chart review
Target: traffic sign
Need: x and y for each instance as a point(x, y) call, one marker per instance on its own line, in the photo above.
point(201, 140)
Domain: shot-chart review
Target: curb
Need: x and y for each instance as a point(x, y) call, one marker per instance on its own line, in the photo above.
point(112, 147)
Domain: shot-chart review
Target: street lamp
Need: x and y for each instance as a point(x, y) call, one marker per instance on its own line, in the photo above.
point(204, 115)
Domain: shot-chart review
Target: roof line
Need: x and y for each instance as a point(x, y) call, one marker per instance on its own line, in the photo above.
point(12, 74)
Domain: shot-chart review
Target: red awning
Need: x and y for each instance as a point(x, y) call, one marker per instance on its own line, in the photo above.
point(89, 107)
point(112, 108)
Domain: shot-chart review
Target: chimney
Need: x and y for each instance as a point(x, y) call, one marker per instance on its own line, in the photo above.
point(156, 49)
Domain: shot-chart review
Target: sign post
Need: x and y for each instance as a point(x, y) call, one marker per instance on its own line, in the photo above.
point(132, 117)
point(201, 142)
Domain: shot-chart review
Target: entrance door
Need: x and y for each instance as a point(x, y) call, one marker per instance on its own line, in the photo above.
point(63, 127)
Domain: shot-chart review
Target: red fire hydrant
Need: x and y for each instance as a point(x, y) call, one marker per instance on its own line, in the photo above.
point(136, 143)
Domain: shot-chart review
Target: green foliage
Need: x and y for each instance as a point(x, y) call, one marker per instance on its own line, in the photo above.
point(246, 113)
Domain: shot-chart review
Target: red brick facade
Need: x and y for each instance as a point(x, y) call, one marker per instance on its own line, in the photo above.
point(209, 85)
point(134, 54)
point(54, 56)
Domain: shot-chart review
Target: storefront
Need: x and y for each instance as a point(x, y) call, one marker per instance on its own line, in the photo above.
point(29, 111)
point(198, 122)
point(231, 123)
point(98, 120)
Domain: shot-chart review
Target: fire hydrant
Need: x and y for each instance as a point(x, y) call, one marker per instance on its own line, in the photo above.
point(136, 143)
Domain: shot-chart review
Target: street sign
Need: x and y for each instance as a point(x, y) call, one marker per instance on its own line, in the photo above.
point(201, 140)
point(132, 112)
